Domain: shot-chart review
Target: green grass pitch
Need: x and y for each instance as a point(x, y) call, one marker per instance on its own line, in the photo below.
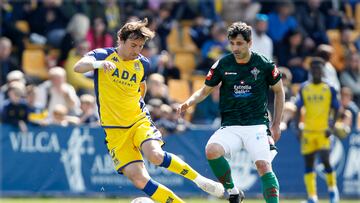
point(100, 200)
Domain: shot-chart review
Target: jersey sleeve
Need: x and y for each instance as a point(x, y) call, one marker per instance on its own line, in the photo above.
point(334, 101)
point(273, 73)
point(213, 77)
point(146, 64)
point(98, 54)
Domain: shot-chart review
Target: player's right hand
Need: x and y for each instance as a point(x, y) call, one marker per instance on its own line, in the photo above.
point(182, 108)
point(108, 66)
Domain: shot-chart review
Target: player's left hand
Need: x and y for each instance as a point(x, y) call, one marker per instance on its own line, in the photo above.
point(275, 132)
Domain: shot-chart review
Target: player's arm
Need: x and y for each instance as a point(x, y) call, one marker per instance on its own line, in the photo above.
point(88, 63)
point(197, 97)
point(279, 101)
point(143, 89)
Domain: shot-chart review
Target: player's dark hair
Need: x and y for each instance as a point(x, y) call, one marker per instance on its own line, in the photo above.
point(135, 30)
point(240, 28)
point(317, 61)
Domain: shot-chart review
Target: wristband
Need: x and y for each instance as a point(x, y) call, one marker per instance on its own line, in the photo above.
point(97, 64)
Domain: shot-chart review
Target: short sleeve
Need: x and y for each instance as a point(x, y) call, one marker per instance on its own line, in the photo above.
point(273, 74)
point(99, 54)
point(146, 64)
point(213, 77)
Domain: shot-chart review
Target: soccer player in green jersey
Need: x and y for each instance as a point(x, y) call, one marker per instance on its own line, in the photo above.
point(245, 78)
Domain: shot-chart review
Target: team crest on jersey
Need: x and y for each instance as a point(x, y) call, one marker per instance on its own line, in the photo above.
point(115, 59)
point(137, 66)
point(255, 72)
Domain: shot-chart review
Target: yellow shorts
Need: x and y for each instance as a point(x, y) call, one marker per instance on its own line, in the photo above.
point(124, 144)
point(312, 141)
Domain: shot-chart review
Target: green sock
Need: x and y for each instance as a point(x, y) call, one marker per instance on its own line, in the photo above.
point(270, 187)
point(222, 171)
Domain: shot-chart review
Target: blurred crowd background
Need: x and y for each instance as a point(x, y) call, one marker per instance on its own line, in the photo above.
point(41, 40)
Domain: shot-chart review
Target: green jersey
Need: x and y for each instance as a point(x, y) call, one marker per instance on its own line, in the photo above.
point(244, 88)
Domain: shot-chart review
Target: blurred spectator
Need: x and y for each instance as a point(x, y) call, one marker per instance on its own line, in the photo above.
point(200, 31)
point(112, 15)
point(75, 31)
point(281, 21)
point(88, 114)
point(15, 110)
point(166, 67)
point(36, 115)
point(48, 20)
point(348, 104)
point(343, 48)
point(97, 36)
point(351, 77)
point(242, 10)
point(156, 88)
point(164, 123)
point(207, 111)
point(164, 24)
point(312, 22)
point(15, 75)
point(80, 82)
point(70, 8)
point(153, 106)
point(214, 48)
point(7, 63)
point(60, 117)
point(208, 10)
point(291, 54)
point(261, 42)
point(57, 91)
point(329, 73)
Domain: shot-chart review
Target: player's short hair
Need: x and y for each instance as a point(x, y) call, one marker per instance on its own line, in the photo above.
point(317, 62)
point(135, 30)
point(240, 28)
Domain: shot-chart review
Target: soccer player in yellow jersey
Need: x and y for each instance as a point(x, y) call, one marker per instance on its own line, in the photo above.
point(318, 99)
point(119, 80)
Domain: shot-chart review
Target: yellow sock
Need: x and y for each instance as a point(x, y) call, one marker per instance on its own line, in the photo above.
point(331, 179)
point(165, 195)
point(174, 164)
point(310, 184)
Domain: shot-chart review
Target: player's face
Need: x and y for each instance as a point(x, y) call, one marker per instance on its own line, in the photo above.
point(316, 72)
point(239, 47)
point(131, 48)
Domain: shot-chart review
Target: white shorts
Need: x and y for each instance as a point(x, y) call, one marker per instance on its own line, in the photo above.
point(253, 138)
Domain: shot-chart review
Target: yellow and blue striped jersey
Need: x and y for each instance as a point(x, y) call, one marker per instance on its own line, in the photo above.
point(318, 99)
point(118, 95)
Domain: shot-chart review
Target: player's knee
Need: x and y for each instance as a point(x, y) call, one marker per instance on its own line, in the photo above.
point(214, 151)
point(262, 167)
point(156, 157)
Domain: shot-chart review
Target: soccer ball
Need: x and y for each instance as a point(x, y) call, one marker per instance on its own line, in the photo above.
point(142, 200)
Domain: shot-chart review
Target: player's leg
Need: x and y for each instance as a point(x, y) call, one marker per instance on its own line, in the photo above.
point(154, 153)
point(137, 174)
point(148, 139)
point(221, 143)
point(127, 159)
point(309, 147)
point(330, 176)
point(258, 146)
point(310, 177)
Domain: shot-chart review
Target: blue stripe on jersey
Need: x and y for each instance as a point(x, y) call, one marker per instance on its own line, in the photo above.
point(101, 54)
point(96, 83)
point(146, 64)
point(334, 101)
